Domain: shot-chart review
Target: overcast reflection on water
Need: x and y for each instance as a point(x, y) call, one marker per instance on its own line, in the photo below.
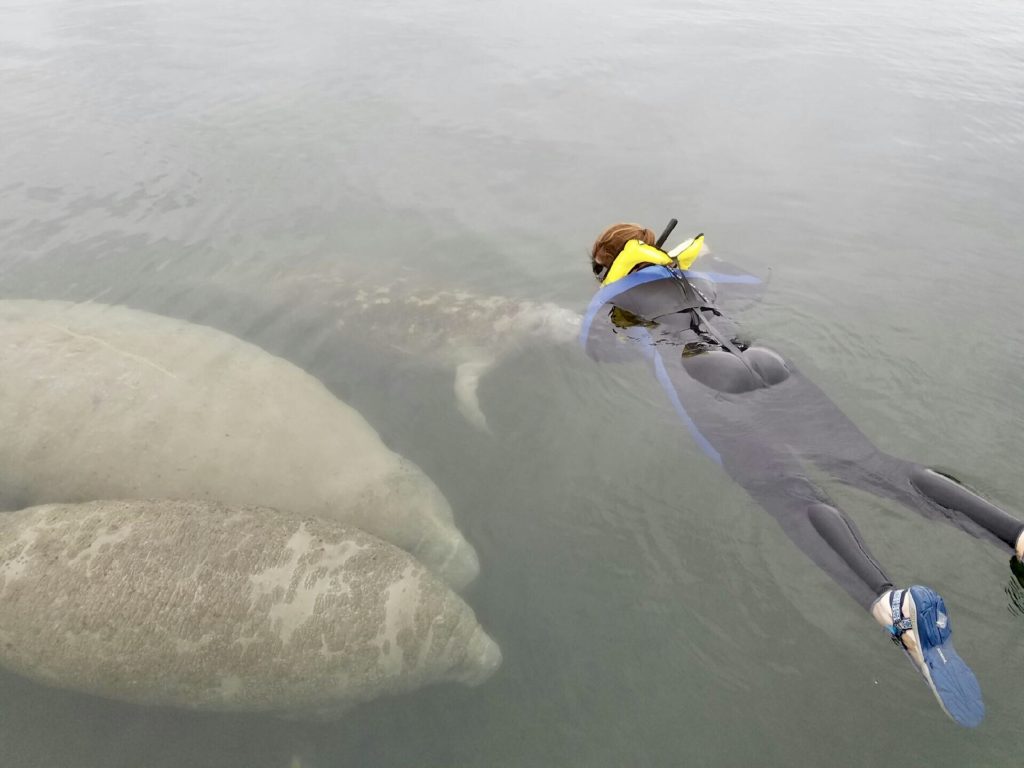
point(201, 160)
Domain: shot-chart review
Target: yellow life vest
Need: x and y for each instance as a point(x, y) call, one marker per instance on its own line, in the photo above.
point(636, 253)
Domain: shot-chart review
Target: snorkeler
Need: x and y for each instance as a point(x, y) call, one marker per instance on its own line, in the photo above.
point(755, 415)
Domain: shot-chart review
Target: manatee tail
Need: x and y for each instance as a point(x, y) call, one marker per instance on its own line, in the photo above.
point(467, 381)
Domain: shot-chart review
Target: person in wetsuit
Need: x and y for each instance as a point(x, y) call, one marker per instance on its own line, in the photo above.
point(757, 416)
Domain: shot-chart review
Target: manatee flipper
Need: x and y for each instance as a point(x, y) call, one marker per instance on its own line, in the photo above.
point(467, 381)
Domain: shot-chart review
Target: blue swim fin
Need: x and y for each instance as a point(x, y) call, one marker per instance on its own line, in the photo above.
point(921, 626)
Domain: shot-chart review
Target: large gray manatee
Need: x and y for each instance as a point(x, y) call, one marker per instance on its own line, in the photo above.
point(100, 402)
point(204, 606)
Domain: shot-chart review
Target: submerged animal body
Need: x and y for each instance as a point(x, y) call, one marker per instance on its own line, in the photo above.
point(467, 332)
point(204, 606)
point(98, 401)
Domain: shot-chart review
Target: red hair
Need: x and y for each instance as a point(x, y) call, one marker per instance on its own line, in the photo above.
point(611, 242)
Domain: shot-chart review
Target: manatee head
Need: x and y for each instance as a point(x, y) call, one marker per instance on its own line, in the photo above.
point(404, 506)
point(442, 548)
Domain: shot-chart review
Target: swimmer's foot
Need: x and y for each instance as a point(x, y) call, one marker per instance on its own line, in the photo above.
point(1015, 587)
point(1017, 569)
point(917, 621)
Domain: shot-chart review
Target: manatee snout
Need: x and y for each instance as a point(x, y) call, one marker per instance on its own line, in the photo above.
point(462, 566)
point(404, 506)
point(483, 659)
point(446, 550)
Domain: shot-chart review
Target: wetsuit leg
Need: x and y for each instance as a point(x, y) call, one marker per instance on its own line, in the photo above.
point(808, 517)
point(933, 494)
point(826, 436)
point(952, 496)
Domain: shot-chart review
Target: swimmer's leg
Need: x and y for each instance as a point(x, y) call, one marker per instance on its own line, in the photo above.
point(824, 435)
point(916, 617)
point(843, 538)
point(809, 519)
point(935, 495)
point(954, 498)
point(773, 476)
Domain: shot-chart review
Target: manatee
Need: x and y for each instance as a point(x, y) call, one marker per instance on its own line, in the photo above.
point(467, 332)
point(99, 401)
point(205, 606)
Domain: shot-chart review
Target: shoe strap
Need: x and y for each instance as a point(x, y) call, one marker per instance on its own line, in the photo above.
point(899, 623)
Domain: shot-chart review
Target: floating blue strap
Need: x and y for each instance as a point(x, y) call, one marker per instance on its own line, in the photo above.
point(666, 384)
point(721, 277)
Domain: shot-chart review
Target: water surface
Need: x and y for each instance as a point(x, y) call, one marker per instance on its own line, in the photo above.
point(193, 157)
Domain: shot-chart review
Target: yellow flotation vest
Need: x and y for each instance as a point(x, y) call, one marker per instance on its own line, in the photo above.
point(636, 253)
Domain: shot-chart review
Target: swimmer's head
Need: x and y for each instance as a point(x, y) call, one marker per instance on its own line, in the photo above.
point(610, 243)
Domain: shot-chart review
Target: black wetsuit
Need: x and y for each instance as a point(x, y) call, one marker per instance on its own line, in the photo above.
point(756, 415)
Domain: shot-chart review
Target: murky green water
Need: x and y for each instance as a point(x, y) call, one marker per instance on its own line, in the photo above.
point(225, 162)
